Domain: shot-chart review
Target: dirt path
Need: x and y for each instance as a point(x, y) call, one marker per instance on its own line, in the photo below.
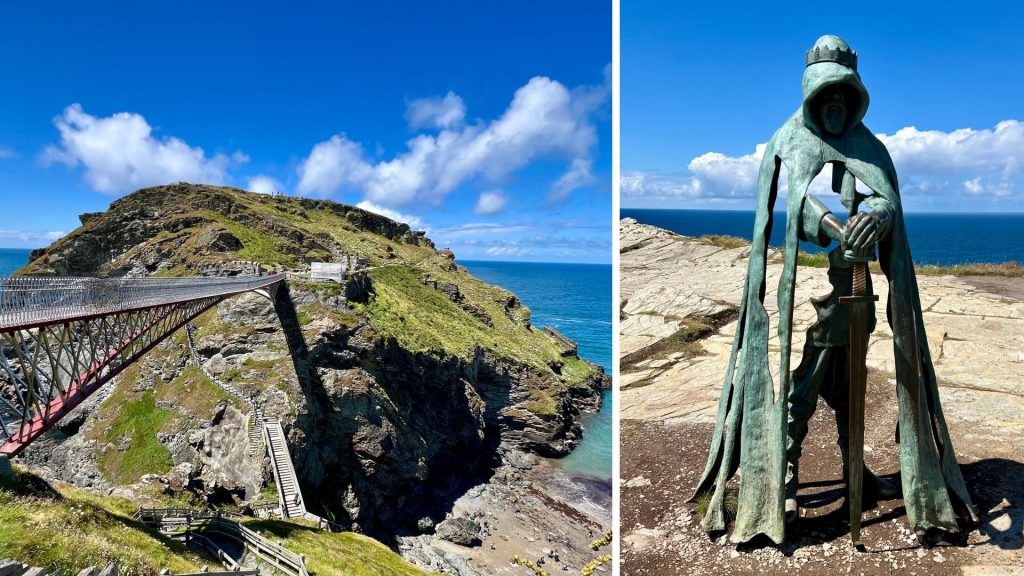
point(661, 533)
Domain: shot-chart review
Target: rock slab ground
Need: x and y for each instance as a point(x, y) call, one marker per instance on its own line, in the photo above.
point(669, 398)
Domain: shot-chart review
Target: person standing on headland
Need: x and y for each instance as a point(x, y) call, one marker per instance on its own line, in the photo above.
point(762, 436)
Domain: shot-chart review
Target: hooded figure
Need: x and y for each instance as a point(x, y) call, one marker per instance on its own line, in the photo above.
point(755, 431)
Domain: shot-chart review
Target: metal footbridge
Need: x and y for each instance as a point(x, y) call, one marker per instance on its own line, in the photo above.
point(61, 339)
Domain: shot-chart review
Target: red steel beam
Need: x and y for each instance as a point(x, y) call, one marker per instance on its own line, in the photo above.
point(79, 389)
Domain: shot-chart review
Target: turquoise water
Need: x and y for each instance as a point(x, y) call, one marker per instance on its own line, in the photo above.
point(576, 300)
point(11, 259)
point(943, 239)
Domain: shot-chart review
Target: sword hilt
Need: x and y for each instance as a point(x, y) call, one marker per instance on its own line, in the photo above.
point(860, 286)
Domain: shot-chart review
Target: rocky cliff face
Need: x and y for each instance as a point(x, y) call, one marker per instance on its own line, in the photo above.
point(397, 389)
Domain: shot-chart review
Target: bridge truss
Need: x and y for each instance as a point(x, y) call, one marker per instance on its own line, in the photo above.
point(61, 339)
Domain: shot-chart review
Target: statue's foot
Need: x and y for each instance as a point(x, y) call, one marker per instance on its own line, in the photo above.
point(880, 487)
point(874, 487)
point(792, 510)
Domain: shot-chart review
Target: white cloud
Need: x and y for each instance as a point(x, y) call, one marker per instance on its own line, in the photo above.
point(447, 112)
point(476, 230)
point(577, 175)
point(925, 151)
point(551, 247)
point(120, 153)
point(7, 153)
point(28, 239)
point(333, 164)
point(491, 202)
point(517, 251)
point(544, 120)
point(263, 184)
point(941, 165)
point(413, 222)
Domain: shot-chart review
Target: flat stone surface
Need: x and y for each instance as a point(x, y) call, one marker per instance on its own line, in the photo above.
point(974, 336)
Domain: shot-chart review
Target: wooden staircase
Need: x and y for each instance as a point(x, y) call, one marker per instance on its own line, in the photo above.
point(288, 492)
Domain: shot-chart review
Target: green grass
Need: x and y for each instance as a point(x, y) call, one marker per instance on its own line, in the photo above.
point(194, 392)
point(256, 244)
point(62, 528)
point(127, 423)
point(575, 371)
point(727, 242)
point(422, 319)
point(322, 290)
point(812, 260)
point(1004, 270)
point(136, 417)
point(269, 492)
point(336, 553)
point(732, 501)
point(321, 310)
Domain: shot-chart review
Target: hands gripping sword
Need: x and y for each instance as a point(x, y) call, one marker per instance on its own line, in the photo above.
point(859, 302)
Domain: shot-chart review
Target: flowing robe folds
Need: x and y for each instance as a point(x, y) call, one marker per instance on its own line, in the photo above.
point(750, 432)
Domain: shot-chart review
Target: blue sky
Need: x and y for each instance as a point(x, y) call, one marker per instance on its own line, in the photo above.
point(704, 83)
point(486, 123)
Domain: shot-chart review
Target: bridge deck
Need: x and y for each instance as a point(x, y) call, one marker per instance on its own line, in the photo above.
point(27, 302)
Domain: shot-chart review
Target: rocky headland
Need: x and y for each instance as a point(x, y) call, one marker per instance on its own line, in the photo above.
point(679, 297)
point(400, 389)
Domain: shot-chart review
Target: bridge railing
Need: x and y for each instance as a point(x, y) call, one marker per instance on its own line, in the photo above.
point(27, 301)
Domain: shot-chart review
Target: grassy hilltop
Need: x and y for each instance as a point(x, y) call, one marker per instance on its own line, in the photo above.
point(408, 377)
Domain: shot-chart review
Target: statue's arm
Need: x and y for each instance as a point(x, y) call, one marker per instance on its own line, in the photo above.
point(818, 224)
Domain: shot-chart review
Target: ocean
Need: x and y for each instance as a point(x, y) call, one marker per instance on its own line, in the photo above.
point(943, 239)
point(11, 259)
point(576, 300)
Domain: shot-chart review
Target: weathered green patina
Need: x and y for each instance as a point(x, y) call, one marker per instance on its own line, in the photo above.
point(751, 430)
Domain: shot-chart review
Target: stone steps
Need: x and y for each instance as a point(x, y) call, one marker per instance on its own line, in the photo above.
point(256, 433)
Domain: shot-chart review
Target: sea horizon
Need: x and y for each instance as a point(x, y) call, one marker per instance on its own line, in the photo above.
point(936, 238)
point(747, 209)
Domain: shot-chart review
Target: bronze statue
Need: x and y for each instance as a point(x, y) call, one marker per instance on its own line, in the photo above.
point(761, 435)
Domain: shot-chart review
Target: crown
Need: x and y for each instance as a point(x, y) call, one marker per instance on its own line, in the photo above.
point(845, 57)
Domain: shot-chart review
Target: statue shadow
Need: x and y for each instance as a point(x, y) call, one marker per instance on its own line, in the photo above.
point(995, 485)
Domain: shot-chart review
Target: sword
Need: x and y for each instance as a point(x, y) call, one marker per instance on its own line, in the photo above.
point(859, 302)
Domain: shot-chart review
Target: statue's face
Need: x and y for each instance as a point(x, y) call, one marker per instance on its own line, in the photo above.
point(835, 110)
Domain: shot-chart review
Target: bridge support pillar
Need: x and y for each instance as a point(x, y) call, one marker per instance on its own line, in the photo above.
point(6, 472)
